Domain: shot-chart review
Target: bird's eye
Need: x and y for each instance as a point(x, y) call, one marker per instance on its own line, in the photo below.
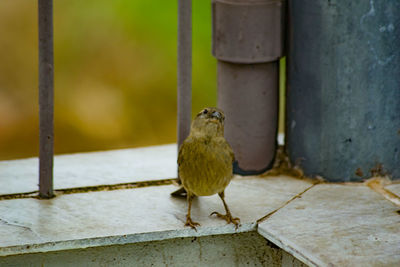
point(205, 111)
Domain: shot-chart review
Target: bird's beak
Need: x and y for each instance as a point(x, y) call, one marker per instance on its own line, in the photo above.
point(217, 115)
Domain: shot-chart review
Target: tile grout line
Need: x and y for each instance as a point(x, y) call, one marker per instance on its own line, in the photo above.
point(97, 188)
point(376, 184)
point(285, 204)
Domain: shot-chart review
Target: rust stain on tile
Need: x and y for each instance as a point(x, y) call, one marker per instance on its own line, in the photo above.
point(377, 184)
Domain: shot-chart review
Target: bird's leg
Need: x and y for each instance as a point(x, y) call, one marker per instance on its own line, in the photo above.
point(228, 216)
point(189, 221)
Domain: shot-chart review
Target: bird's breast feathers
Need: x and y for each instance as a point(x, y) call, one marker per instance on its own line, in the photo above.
point(205, 165)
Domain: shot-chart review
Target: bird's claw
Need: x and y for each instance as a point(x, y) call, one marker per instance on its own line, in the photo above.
point(228, 218)
point(191, 223)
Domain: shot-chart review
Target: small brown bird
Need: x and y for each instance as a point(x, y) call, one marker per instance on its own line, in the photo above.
point(205, 161)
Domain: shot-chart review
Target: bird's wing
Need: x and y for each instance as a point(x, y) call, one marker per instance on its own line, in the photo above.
point(182, 149)
point(227, 148)
point(231, 152)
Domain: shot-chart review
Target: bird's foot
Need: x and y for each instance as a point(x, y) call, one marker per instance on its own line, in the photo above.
point(191, 223)
point(228, 218)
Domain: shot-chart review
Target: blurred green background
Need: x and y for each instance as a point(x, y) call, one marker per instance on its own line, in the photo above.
point(115, 73)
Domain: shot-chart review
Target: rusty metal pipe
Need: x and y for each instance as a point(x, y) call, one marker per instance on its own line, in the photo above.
point(46, 98)
point(248, 42)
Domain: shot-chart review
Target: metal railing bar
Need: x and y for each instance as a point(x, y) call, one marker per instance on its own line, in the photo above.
point(184, 69)
point(46, 98)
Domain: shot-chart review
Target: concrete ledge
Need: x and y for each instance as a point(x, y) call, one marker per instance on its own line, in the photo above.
point(135, 215)
point(244, 249)
point(319, 224)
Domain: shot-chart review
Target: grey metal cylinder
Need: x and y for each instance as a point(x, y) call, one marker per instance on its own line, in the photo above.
point(248, 31)
point(248, 42)
point(248, 94)
point(343, 92)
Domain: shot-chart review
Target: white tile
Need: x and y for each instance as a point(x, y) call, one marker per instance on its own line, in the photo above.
point(394, 188)
point(94, 168)
point(126, 216)
point(338, 225)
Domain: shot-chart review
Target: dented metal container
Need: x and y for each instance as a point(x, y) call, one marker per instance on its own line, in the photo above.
point(248, 42)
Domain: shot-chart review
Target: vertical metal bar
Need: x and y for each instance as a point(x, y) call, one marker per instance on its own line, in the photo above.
point(184, 68)
point(46, 95)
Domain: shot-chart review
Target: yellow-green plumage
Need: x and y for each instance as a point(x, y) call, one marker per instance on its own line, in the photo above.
point(205, 165)
point(205, 160)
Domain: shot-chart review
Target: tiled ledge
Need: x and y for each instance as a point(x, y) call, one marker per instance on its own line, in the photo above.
point(322, 225)
point(134, 215)
point(338, 225)
point(91, 169)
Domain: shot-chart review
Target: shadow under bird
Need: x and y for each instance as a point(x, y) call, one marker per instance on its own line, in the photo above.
point(205, 161)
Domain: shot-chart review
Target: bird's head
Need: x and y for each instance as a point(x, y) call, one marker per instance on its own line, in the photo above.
point(209, 122)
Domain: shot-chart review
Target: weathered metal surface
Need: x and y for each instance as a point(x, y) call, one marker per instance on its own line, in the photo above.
point(343, 98)
point(248, 41)
point(248, 94)
point(46, 98)
point(248, 31)
point(184, 69)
